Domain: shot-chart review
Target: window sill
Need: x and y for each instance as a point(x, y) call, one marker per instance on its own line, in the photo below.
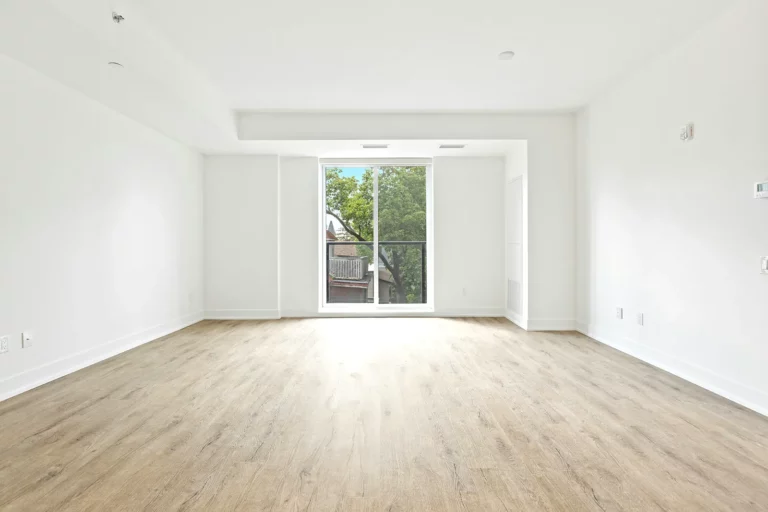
point(355, 310)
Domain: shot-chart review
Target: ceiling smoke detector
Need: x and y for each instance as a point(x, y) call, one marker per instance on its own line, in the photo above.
point(375, 146)
point(452, 146)
point(507, 55)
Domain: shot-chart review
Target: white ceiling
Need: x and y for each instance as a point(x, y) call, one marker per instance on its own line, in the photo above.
point(420, 54)
point(190, 63)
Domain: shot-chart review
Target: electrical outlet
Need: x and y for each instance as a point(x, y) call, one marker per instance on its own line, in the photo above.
point(687, 132)
point(3, 344)
point(640, 319)
point(26, 340)
point(620, 313)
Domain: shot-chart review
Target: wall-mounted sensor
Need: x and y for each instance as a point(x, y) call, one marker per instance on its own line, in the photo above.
point(687, 132)
point(761, 190)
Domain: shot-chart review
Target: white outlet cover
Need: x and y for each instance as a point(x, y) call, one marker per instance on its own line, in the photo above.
point(687, 132)
point(640, 319)
point(3, 344)
point(620, 313)
point(764, 265)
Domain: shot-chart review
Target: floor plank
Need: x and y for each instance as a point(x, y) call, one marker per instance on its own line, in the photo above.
point(378, 414)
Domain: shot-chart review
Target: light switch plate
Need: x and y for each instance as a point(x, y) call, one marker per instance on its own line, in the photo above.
point(26, 340)
point(764, 265)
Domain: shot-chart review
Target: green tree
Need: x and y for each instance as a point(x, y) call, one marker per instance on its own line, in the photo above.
point(402, 217)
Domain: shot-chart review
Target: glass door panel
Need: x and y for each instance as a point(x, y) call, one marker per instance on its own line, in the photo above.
point(349, 235)
point(402, 234)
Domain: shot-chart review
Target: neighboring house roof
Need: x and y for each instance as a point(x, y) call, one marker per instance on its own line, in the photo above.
point(344, 250)
point(385, 275)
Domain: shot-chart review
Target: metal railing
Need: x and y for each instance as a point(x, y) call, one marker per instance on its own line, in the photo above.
point(344, 262)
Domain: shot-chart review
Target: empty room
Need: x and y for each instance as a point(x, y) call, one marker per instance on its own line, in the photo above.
point(422, 255)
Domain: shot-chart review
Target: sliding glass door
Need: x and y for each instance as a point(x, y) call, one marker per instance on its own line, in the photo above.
point(402, 234)
point(376, 235)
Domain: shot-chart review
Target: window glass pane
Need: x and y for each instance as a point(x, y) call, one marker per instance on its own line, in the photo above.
point(402, 215)
point(349, 235)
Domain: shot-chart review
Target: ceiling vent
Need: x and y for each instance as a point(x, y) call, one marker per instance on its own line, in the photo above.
point(452, 146)
point(375, 146)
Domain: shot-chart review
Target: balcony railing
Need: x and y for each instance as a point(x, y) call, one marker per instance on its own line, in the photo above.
point(350, 272)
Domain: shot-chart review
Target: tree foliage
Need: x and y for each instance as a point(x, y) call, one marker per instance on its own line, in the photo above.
point(402, 217)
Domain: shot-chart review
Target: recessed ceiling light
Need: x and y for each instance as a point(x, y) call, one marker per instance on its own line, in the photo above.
point(114, 64)
point(452, 146)
point(508, 55)
point(375, 146)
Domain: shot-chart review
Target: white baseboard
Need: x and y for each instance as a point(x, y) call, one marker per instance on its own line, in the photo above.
point(517, 319)
point(32, 378)
point(550, 324)
point(470, 312)
point(242, 314)
point(747, 396)
point(297, 313)
point(447, 313)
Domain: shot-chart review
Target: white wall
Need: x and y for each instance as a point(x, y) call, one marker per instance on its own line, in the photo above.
point(242, 259)
point(516, 234)
point(551, 229)
point(299, 232)
point(469, 235)
point(241, 237)
point(670, 229)
point(100, 230)
point(551, 163)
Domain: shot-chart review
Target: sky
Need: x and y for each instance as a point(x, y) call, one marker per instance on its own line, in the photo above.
point(357, 172)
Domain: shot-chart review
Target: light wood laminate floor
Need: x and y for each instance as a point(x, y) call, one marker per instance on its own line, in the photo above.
point(378, 414)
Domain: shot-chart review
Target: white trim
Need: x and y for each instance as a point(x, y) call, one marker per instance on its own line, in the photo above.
point(430, 196)
point(375, 255)
point(329, 312)
point(471, 312)
point(351, 162)
point(298, 313)
point(242, 314)
point(386, 309)
point(34, 377)
point(516, 319)
point(749, 397)
point(321, 239)
point(376, 309)
point(372, 314)
point(278, 266)
point(550, 324)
